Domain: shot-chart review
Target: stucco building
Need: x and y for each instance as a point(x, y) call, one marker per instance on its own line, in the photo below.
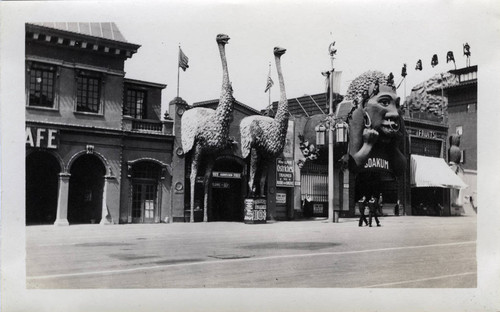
point(97, 149)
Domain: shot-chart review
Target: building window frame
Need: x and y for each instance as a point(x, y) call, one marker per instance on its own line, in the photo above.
point(52, 73)
point(132, 96)
point(472, 108)
point(89, 86)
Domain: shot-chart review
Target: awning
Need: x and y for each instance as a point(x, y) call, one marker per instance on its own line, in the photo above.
point(433, 172)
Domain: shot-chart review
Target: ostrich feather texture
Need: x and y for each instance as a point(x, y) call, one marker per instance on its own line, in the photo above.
point(264, 134)
point(200, 125)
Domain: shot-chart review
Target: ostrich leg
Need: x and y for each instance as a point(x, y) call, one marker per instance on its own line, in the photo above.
point(194, 171)
point(254, 157)
point(208, 175)
point(263, 177)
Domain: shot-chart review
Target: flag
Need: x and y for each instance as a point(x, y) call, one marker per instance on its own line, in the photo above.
point(183, 60)
point(466, 49)
point(419, 65)
point(269, 84)
point(450, 57)
point(403, 71)
point(434, 60)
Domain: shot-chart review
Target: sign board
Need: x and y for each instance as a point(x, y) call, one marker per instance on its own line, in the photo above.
point(284, 172)
point(280, 198)
point(220, 185)
point(228, 175)
point(255, 210)
point(42, 138)
point(318, 208)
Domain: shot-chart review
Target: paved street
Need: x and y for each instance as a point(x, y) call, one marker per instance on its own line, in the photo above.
point(406, 252)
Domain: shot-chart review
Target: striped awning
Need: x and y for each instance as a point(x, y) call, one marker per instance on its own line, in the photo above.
point(433, 172)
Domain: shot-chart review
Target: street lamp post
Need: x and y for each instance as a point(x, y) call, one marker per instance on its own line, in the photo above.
point(331, 180)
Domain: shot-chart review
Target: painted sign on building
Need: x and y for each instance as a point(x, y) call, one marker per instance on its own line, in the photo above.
point(42, 138)
point(284, 172)
point(280, 198)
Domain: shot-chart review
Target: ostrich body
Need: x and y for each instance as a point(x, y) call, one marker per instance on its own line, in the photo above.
point(206, 131)
point(264, 137)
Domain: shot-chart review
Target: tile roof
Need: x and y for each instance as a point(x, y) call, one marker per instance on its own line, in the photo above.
point(307, 105)
point(216, 101)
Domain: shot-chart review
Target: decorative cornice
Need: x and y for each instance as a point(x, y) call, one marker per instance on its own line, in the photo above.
point(145, 83)
point(111, 131)
point(59, 37)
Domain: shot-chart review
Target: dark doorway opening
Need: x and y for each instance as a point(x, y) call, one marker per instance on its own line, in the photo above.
point(428, 201)
point(226, 191)
point(42, 177)
point(85, 190)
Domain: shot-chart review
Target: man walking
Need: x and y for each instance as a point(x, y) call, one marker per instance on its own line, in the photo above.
point(362, 205)
point(372, 205)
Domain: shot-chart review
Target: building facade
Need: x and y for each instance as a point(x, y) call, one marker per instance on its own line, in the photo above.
point(97, 149)
point(462, 120)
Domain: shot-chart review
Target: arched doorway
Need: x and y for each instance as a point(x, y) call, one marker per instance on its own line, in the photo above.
point(85, 190)
point(227, 190)
point(42, 176)
point(145, 206)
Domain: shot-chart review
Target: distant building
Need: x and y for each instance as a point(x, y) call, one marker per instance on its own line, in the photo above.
point(97, 149)
point(462, 120)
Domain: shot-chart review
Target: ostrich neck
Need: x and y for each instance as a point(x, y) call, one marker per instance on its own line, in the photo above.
point(282, 111)
point(225, 103)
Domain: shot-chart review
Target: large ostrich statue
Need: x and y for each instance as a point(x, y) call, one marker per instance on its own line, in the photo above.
point(264, 137)
point(206, 131)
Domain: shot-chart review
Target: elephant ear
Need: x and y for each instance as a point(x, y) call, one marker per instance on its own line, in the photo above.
point(356, 126)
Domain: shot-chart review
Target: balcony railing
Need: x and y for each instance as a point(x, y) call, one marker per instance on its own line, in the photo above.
point(148, 125)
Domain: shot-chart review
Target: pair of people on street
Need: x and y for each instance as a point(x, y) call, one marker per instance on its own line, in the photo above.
point(370, 207)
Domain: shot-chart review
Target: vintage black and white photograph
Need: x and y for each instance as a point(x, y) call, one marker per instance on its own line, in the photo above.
point(253, 156)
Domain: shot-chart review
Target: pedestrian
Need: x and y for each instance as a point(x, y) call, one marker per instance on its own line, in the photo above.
point(396, 209)
point(372, 205)
point(380, 205)
point(362, 204)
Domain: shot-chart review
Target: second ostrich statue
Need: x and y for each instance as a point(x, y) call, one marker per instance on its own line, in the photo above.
point(206, 131)
point(263, 138)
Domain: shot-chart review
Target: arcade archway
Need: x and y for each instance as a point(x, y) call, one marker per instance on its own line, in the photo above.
point(86, 190)
point(42, 176)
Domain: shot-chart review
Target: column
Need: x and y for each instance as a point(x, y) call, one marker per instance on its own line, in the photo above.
point(105, 215)
point(62, 199)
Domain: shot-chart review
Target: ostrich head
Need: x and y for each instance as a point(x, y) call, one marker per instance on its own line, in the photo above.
point(222, 38)
point(279, 51)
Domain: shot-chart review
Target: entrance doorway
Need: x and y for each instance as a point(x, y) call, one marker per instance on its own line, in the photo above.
point(42, 176)
point(226, 191)
point(85, 190)
point(145, 201)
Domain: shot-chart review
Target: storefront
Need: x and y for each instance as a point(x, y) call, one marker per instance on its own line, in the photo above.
point(97, 150)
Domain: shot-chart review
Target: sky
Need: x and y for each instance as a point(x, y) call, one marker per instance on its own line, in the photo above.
point(369, 35)
point(366, 37)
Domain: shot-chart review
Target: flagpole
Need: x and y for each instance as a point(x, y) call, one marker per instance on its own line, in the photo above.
point(178, 62)
point(269, 75)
